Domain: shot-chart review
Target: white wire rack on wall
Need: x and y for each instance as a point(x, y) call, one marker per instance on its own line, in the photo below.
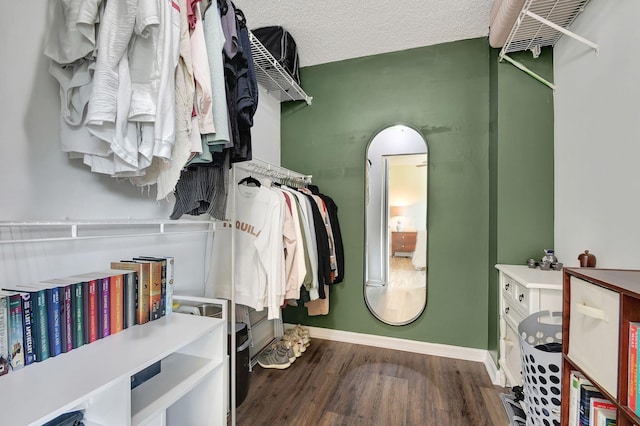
point(273, 77)
point(541, 23)
point(278, 173)
point(13, 232)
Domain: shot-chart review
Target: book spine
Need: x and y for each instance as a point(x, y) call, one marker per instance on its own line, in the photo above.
point(16, 335)
point(586, 393)
point(104, 307)
point(68, 318)
point(53, 311)
point(27, 330)
point(155, 290)
point(4, 335)
point(41, 319)
point(77, 309)
point(130, 298)
point(596, 405)
point(117, 301)
point(633, 366)
point(574, 397)
point(163, 287)
point(144, 310)
point(92, 309)
point(170, 279)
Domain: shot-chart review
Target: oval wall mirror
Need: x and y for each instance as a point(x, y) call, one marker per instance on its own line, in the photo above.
point(395, 287)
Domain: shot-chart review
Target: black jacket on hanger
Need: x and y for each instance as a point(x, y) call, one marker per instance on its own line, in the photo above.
point(322, 244)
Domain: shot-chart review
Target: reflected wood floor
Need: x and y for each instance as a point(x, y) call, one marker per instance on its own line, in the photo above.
point(335, 383)
point(405, 295)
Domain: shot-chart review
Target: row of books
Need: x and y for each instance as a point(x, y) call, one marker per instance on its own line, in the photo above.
point(587, 405)
point(51, 317)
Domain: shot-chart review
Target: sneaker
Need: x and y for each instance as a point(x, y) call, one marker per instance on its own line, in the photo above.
point(304, 333)
point(293, 344)
point(297, 339)
point(274, 357)
point(288, 345)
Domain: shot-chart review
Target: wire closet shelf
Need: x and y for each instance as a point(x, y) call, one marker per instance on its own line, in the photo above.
point(273, 77)
point(541, 23)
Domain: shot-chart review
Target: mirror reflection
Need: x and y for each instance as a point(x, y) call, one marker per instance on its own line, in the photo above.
point(396, 225)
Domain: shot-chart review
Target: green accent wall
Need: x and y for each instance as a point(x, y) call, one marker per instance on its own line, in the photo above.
point(445, 92)
point(521, 168)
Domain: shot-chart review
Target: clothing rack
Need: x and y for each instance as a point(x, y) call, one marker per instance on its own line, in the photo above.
point(286, 177)
point(281, 174)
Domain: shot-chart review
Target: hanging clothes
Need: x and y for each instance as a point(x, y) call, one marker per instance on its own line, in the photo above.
point(259, 252)
point(146, 85)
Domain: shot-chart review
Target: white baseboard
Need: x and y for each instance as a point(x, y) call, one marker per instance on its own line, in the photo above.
point(426, 348)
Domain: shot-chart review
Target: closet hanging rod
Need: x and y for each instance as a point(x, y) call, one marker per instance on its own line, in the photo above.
point(264, 167)
point(72, 233)
point(119, 222)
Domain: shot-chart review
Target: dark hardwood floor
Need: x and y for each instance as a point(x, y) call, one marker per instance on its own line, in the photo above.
point(336, 383)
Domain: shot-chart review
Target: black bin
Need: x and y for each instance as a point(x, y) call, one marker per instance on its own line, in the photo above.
point(242, 362)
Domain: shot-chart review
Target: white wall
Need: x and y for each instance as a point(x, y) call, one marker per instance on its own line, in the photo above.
point(597, 137)
point(39, 182)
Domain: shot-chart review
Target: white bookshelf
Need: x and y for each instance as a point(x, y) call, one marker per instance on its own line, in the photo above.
point(190, 389)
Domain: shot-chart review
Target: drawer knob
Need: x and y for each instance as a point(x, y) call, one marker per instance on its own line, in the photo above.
point(506, 286)
point(521, 297)
point(506, 310)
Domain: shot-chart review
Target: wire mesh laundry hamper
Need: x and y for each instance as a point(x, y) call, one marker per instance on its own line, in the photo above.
point(540, 333)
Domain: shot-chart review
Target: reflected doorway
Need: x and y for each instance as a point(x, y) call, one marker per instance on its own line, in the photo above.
point(396, 234)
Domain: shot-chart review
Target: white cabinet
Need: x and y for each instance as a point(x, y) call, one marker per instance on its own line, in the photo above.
point(97, 378)
point(523, 291)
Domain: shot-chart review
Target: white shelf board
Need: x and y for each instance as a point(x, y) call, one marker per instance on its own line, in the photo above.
point(179, 374)
point(69, 380)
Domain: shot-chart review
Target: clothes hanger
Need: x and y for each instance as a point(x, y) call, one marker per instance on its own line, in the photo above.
point(224, 8)
point(249, 181)
point(240, 16)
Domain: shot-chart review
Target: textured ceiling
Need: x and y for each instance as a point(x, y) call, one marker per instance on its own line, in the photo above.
point(333, 30)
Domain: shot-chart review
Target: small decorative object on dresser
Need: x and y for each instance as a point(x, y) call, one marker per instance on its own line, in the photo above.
point(523, 291)
point(587, 260)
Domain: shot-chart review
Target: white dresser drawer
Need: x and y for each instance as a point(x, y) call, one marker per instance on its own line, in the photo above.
point(508, 286)
point(593, 332)
point(512, 362)
point(511, 314)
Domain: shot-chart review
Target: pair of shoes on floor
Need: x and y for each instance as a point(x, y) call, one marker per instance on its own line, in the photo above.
point(302, 332)
point(278, 356)
point(299, 339)
point(290, 347)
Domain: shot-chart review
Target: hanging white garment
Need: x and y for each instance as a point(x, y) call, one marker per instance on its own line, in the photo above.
point(164, 129)
point(144, 63)
point(70, 44)
point(116, 28)
point(259, 259)
point(72, 32)
point(165, 174)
